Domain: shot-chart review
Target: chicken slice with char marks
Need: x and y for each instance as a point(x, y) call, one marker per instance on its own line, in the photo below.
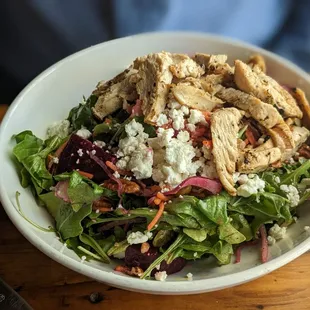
point(266, 89)
point(112, 93)
point(224, 130)
point(253, 161)
point(194, 97)
point(303, 103)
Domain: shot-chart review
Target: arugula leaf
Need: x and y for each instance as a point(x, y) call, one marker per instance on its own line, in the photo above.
point(68, 222)
point(118, 248)
point(293, 178)
point(95, 246)
point(230, 234)
point(82, 116)
point(222, 250)
point(178, 241)
point(215, 208)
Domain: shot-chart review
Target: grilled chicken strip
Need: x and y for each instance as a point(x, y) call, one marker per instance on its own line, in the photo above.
point(224, 130)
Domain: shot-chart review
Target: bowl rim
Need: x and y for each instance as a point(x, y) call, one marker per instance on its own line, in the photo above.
point(118, 280)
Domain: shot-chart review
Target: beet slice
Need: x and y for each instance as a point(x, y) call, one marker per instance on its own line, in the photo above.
point(134, 258)
point(76, 156)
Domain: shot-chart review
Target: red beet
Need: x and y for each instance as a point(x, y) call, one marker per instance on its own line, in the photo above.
point(76, 156)
point(134, 258)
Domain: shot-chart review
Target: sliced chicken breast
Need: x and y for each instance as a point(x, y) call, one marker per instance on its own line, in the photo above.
point(265, 88)
point(303, 104)
point(194, 97)
point(112, 93)
point(224, 130)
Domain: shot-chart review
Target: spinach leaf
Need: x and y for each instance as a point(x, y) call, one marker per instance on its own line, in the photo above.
point(29, 145)
point(68, 222)
point(95, 246)
point(162, 237)
point(22, 135)
point(222, 250)
point(107, 243)
point(230, 234)
point(82, 116)
point(241, 224)
point(74, 244)
point(80, 195)
point(294, 177)
point(215, 208)
point(31, 152)
point(198, 235)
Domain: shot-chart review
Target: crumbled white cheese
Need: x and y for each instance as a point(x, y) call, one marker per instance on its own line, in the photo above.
point(174, 105)
point(177, 119)
point(183, 136)
point(93, 152)
point(236, 177)
point(291, 193)
point(243, 178)
point(162, 119)
point(80, 152)
point(116, 174)
point(55, 160)
point(191, 127)
point(84, 133)
point(97, 211)
point(251, 186)
point(61, 129)
point(100, 143)
point(185, 110)
point(133, 152)
point(189, 276)
point(161, 275)
point(271, 240)
point(277, 232)
point(277, 179)
point(307, 228)
point(196, 117)
point(77, 161)
point(138, 237)
point(260, 141)
point(157, 267)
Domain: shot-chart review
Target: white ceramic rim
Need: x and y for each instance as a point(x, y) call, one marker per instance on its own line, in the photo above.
point(134, 284)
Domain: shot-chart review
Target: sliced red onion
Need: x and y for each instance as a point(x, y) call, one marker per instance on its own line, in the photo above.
point(242, 246)
point(264, 247)
point(109, 174)
point(61, 190)
point(213, 186)
point(137, 109)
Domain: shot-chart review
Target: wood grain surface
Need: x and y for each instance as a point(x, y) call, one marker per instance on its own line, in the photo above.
point(47, 285)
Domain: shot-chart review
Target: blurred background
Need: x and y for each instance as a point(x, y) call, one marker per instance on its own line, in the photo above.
point(34, 34)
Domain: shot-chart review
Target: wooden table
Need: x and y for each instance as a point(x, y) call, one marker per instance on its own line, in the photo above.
point(48, 285)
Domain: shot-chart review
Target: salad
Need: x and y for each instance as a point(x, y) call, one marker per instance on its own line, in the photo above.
point(175, 159)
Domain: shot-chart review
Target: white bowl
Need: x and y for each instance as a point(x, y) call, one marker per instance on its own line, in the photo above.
point(52, 94)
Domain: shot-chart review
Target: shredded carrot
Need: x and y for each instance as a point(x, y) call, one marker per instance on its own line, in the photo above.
point(157, 216)
point(207, 143)
point(114, 168)
point(111, 165)
point(207, 115)
point(250, 136)
point(157, 201)
point(85, 174)
point(60, 149)
point(162, 197)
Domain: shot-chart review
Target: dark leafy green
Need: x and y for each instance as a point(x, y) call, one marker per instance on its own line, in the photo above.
point(82, 116)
